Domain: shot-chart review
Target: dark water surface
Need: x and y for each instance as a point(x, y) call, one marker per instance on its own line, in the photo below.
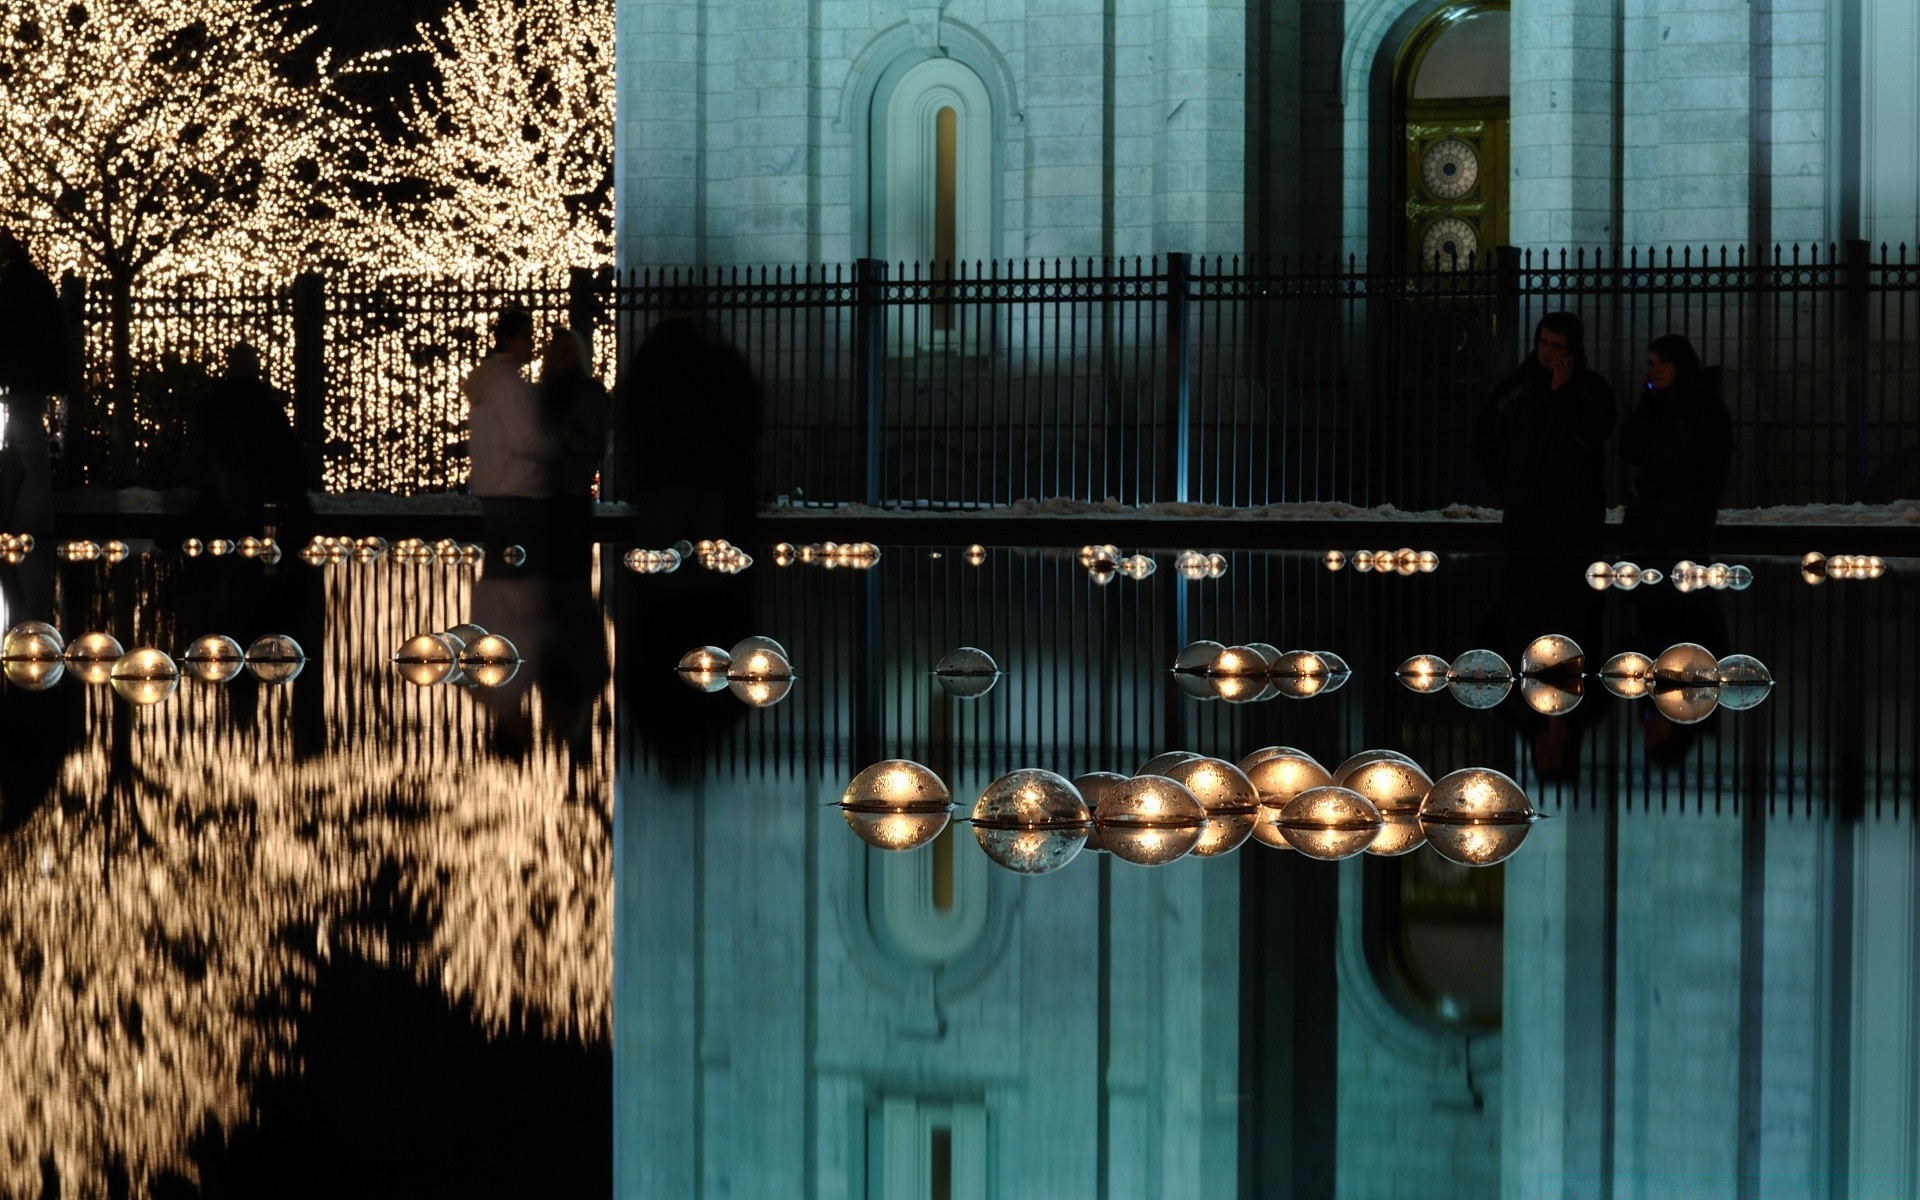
point(595, 931)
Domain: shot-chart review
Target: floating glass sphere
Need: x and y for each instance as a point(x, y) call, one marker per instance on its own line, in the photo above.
point(1137, 566)
point(1400, 833)
point(1149, 820)
point(896, 804)
point(214, 658)
point(1424, 673)
point(1876, 566)
point(1094, 553)
point(192, 547)
point(219, 546)
point(1093, 787)
point(704, 668)
point(1717, 576)
point(428, 658)
point(81, 551)
point(1480, 679)
point(1303, 663)
point(1266, 650)
point(1329, 823)
point(1552, 695)
point(760, 693)
point(747, 645)
point(1218, 785)
point(1626, 576)
point(1363, 561)
point(1277, 779)
point(275, 658)
point(1238, 661)
point(1651, 575)
point(1553, 654)
point(145, 675)
point(1264, 753)
point(466, 632)
point(1216, 565)
point(1336, 666)
point(32, 641)
point(1476, 816)
point(1197, 656)
point(1739, 577)
point(1813, 560)
point(1191, 564)
point(1429, 562)
point(967, 673)
point(490, 660)
point(1744, 681)
point(976, 554)
point(1354, 762)
point(1159, 764)
point(1628, 674)
point(1686, 663)
point(114, 550)
point(34, 674)
point(514, 556)
point(1333, 560)
point(759, 662)
point(1600, 576)
point(1031, 798)
point(1195, 686)
point(1685, 703)
point(91, 656)
point(1392, 784)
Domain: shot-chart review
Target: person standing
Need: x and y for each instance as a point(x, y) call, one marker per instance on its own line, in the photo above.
point(1680, 442)
point(575, 408)
point(1540, 438)
point(33, 368)
point(511, 448)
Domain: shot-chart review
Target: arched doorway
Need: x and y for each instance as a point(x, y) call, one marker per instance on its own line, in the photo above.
point(1450, 95)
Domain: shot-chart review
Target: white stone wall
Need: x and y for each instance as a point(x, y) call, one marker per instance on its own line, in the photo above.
point(1890, 124)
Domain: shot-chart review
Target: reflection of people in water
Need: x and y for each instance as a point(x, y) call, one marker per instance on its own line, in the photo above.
point(1539, 438)
point(1536, 599)
point(1680, 439)
point(575, 408)
point(249, 455)
point(555, 623)
point(1662, 617)
point(687, 432)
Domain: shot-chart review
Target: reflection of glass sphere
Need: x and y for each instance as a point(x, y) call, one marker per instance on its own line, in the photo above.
point(145, 675)
point(760, 693)
point(1238, 661)
point(1393, 785)
point(1032, 851)
point(967, 687)
point(1553, 695)
point(1334, 560)
point(1329, 823)
point(1744, 681)
point(34, 674)
point(1198, 687)
point(967, 660)
point(1242, 689)
point(759, 663)
point(1160, 763)
point(1686, 704)
point(1197, 656)
point(1476, 816)
point(1424, 673)
point(1302, 687)
point(1480, 694)
point(1354, 762)
point(1149, 820)
point(1553, 654)
point(1400, 833)
point(1686, 663)
point(1223, 834)
point(1627, 675)
point(896, 804)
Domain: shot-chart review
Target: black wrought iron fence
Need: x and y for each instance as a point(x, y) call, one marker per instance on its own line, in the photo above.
point(1171, 380)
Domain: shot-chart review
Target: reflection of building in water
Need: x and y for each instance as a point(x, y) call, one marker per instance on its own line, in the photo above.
point(164, 912)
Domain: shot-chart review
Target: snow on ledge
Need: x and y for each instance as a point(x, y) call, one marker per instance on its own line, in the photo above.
point(1899, 512)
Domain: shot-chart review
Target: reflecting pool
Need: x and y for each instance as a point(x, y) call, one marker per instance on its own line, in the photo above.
point(958, 871)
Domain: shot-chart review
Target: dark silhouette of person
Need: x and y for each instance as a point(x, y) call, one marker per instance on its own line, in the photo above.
point(1680, 442)
point(688, 403)
point(510, 444)
point(1540, 437)
point(252, 463)
point(574, 406)
point(33, 367)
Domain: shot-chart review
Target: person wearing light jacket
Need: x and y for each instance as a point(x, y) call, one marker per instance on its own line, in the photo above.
point(511, 447)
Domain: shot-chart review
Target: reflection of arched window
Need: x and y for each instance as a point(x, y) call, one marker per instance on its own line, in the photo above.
point(934, 186)
point(1451, 114)
point(1434, 933)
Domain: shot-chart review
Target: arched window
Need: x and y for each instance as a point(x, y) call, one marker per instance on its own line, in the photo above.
point(1450, 93)
point(934, 183)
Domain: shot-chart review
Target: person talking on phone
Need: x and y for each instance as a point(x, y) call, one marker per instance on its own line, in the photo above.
point(1679, 441)
point(1540, 437)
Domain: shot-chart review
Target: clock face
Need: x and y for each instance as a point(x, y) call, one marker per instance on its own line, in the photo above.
point(1449, 168)
point(1448, 244)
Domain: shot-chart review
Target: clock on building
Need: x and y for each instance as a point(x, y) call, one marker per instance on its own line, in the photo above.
point(1449, 168)
point(1448, 244)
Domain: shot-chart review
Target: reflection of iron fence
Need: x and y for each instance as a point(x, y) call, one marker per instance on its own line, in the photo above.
point(1177, 379)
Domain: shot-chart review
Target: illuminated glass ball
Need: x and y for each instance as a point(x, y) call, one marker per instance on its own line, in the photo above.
point(1686, 663)
point(1238, 661)
point(1256, 757)
point(1353, 762)
point(1159, 764)
point(1197, 656)
point(1363, 561)
point(1480, 679)
point(759, 662)
point(1191, 564)
point(219, 546)
point(704, 668)
point(1266, 650)
point(34, 674)
point(248, 546)
point(1093, 787)
point(1628, 674)
point(1333, 560)
point(91, 656)
point(1216, 566)
point(1329, 823)
point(215, 658)
point(32, 641)
point(1277, 780)
point(1031, 798)
point(1553, 654)
point(1552, 695)
point(1717, 576)
point(896, 804)
point(466, 632)
point(1301, 663)
point(1137, 566)
point(1813, 560)
point(1600, 576)
point(760, 693)
point(514, 556)
point(1218, 785)
point(1876, 566)
point(145, 675)
point(976, 554)
point(1301, 687)
point(114, 550)
point(1684, 703)
point(747, 645)
point(1429, 562)
point(1335, 664)
point(487, 649)
point(1149, 820)
point(80, 551)
point(1744, 681)
point(1242, 689)
point(1393, 785)
point(1095, 552)
point(1626, 576)
point(192, 547)
point(1651, 575)
point(1424, 673)
point(275, 658)
point(1476, 816)
point(1400, 833)
point(428, 658)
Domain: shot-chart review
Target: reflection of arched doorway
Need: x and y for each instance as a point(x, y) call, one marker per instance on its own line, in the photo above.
point(1450, 96)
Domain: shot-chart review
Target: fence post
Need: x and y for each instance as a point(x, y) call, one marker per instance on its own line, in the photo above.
point(869, 346)
point(583, 303)
point(310, 373)
point(1857, 352)
point(1506, 265)
point(1177, 395)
